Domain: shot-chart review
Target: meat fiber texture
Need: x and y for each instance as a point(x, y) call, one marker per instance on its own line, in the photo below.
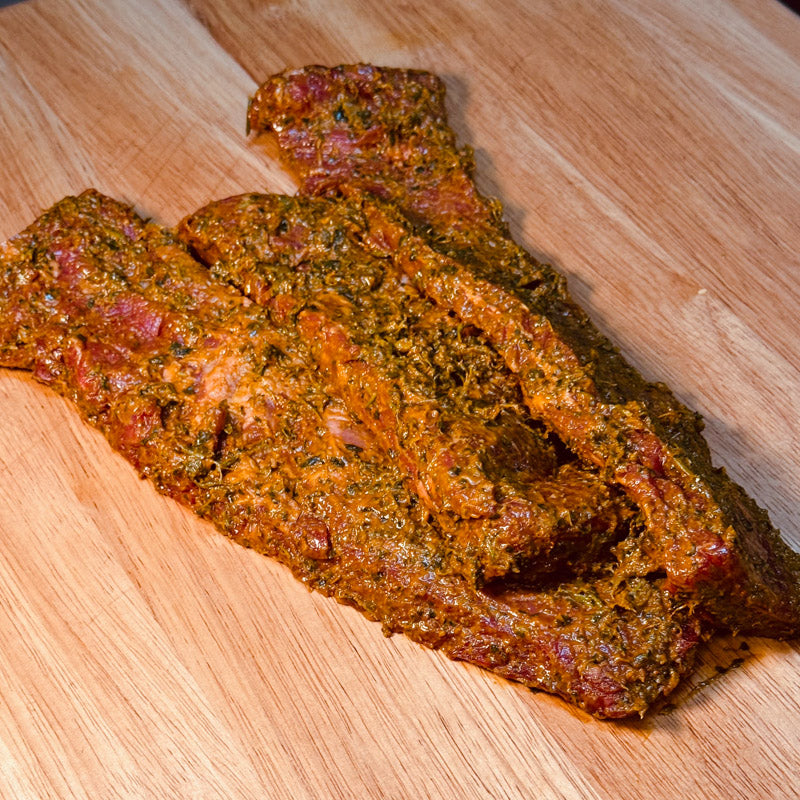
point(380, 136)
point(372, 383)
point(211, 400)
point(432, 391)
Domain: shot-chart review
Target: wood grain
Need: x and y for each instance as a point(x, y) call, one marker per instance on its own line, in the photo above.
point(649, 149)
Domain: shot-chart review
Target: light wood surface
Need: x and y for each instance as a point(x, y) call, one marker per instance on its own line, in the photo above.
point(649, 148)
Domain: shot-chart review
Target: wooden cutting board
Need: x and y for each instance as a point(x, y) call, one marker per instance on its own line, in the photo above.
point(649, 149)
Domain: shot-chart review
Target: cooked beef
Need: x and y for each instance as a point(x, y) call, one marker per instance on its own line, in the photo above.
point(382, 134)
point(435, 396)
point(208, 398)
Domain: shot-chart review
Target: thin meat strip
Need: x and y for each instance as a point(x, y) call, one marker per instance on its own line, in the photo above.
point(194, 385)
point(381, 134)
point(435, 396)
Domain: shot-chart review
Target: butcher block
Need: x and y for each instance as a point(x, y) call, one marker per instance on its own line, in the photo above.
point(648, 149)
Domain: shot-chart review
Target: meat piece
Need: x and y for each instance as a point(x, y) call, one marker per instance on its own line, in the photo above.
point(383, 131)
point(199, 390)
point(435, 396)
point(717, 547)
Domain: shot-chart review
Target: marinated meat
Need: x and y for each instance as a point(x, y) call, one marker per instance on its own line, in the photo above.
point(401, 404)
point(208, 398)
point(435, 396)
point(382, 131)
point(380, 135)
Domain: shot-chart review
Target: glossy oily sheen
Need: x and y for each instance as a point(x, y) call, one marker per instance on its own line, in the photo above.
point(206, 397)
point(381, 134)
